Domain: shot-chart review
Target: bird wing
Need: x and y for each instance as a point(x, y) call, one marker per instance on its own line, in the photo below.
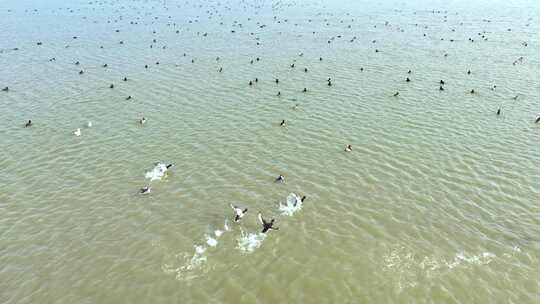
point(261, 219)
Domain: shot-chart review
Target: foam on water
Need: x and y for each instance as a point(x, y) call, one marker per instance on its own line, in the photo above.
point(199, 257)
point(247, 243)
point(157, 173)
point(212, 242)
point(407, 269)
point(294, 204)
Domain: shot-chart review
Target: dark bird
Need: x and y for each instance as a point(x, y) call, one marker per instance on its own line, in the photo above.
point(145, 190)
point(28, 124)
point(267, 225)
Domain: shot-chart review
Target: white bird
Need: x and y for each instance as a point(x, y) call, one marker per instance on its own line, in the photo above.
point(348, 148)
point(238, 213)
point(77, 132)
point(89, 124)
point(142, 121)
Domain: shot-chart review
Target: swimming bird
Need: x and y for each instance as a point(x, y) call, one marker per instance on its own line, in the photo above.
point(250, 83)
point(408, 79)
point(142, 121)
point(145, 190)
point(305, 90)
point(28, 124)
point(277, 80)
point(279, 93)
point(267, 225)
point(280, 179)
point(128, 98)
point(111, 86)
point(472, 91)
point(77, 132)
point(81, 72)
point(441, 82)
point(89, 124)
point(396, 94)
point(282, 123)
point(238, 213)
point(499, 111)
point(125, 79)
point(5, 89)
point(537, 120)
point(441, 88)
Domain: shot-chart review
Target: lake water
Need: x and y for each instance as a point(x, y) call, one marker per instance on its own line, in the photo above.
point(437, 203)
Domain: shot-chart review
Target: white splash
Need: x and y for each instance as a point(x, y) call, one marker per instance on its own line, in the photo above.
point(294, 204)
point(247, 243)
point(212, 242)
point(196, 260)
point(157, 173)
point(218, 233)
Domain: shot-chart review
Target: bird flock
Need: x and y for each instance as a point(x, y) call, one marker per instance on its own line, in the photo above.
point(250, 22)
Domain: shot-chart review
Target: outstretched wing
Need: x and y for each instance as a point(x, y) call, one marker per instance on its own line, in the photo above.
point(261, 219)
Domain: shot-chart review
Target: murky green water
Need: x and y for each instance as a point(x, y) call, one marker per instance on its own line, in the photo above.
point(437, 202)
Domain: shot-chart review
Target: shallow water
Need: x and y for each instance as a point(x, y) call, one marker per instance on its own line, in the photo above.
point(438, 202)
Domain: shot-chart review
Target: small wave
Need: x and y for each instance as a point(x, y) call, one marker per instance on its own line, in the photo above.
point(247, 243)
point(294, 204)
point(157, 173)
